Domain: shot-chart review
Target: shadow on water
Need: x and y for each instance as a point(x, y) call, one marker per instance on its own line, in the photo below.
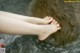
point(65, 40)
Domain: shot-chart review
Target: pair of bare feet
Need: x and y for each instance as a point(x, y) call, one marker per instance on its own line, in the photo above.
point(44, 29)
point(50, 26)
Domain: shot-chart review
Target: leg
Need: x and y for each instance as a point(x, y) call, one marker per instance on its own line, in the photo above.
point(14, 26)
point(27, 18)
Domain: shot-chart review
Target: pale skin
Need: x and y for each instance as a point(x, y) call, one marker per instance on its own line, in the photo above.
point(18, 24)
point(33, 20)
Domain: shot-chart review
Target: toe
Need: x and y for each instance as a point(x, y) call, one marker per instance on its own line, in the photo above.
point(51, 19)
point(52, 22)
point(55, 21)
point(57, 25)
point(48, 19)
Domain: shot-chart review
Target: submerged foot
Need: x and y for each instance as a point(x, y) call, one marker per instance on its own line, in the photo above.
point(49, 29)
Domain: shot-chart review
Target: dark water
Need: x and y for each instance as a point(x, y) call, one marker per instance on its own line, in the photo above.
point(30, 44)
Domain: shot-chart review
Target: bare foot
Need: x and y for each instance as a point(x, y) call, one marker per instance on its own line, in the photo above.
point(40, 21)
point(47, 20)
point(49, 29)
